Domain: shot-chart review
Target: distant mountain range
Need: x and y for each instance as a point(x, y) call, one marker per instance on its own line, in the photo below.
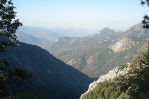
point(41, 36)
point(93, 55)
point(73, 32)
point(26, 38)
point(40, 33)
point(36, 36)
point(96, 54)
point(51, 78)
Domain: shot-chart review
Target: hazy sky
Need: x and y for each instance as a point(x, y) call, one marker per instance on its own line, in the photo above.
point(115, 14)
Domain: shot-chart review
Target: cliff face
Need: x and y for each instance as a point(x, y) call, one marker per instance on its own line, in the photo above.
point(109, 76)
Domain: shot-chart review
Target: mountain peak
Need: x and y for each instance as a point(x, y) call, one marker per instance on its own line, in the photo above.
point(105, 29)
point(105, 32)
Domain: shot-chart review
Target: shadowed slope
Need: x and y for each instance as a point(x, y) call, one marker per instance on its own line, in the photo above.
point(51, 77)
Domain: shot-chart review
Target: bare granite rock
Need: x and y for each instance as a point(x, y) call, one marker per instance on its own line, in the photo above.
point(123, 44)
point(111, 74)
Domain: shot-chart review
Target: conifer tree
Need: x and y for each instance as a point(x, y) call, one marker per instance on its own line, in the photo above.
point(145, 20)
point(8, 27)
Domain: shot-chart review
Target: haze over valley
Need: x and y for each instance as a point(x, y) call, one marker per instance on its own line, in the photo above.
point(96, 53)
point(78, 49)
point(92, 55)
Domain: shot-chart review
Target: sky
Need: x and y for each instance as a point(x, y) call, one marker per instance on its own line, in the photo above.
point(115, 14)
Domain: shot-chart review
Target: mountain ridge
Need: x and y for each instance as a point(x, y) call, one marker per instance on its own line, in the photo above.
point(95, 55)
point(53, 77)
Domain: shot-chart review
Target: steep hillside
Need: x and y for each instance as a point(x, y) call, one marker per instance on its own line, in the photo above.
point(129, 81)
point(51, 77)
point(98, 53)
point(137, 31)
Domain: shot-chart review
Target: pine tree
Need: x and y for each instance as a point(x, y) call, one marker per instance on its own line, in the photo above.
point(145, 20)
point(8, 27)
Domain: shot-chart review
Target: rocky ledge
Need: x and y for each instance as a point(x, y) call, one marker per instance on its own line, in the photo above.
point(111, 74)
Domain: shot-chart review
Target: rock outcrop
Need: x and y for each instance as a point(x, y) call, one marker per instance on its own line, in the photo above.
point(111, 74)
point(123, 44)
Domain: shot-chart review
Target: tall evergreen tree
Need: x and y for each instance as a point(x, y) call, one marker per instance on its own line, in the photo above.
point(145, 20)
point(8, 27)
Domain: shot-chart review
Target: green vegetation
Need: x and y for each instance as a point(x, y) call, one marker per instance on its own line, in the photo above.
point(146, 17)
point(133, 85)
point(8, 25)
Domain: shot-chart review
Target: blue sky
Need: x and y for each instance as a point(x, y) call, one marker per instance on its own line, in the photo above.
point(115, 14)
